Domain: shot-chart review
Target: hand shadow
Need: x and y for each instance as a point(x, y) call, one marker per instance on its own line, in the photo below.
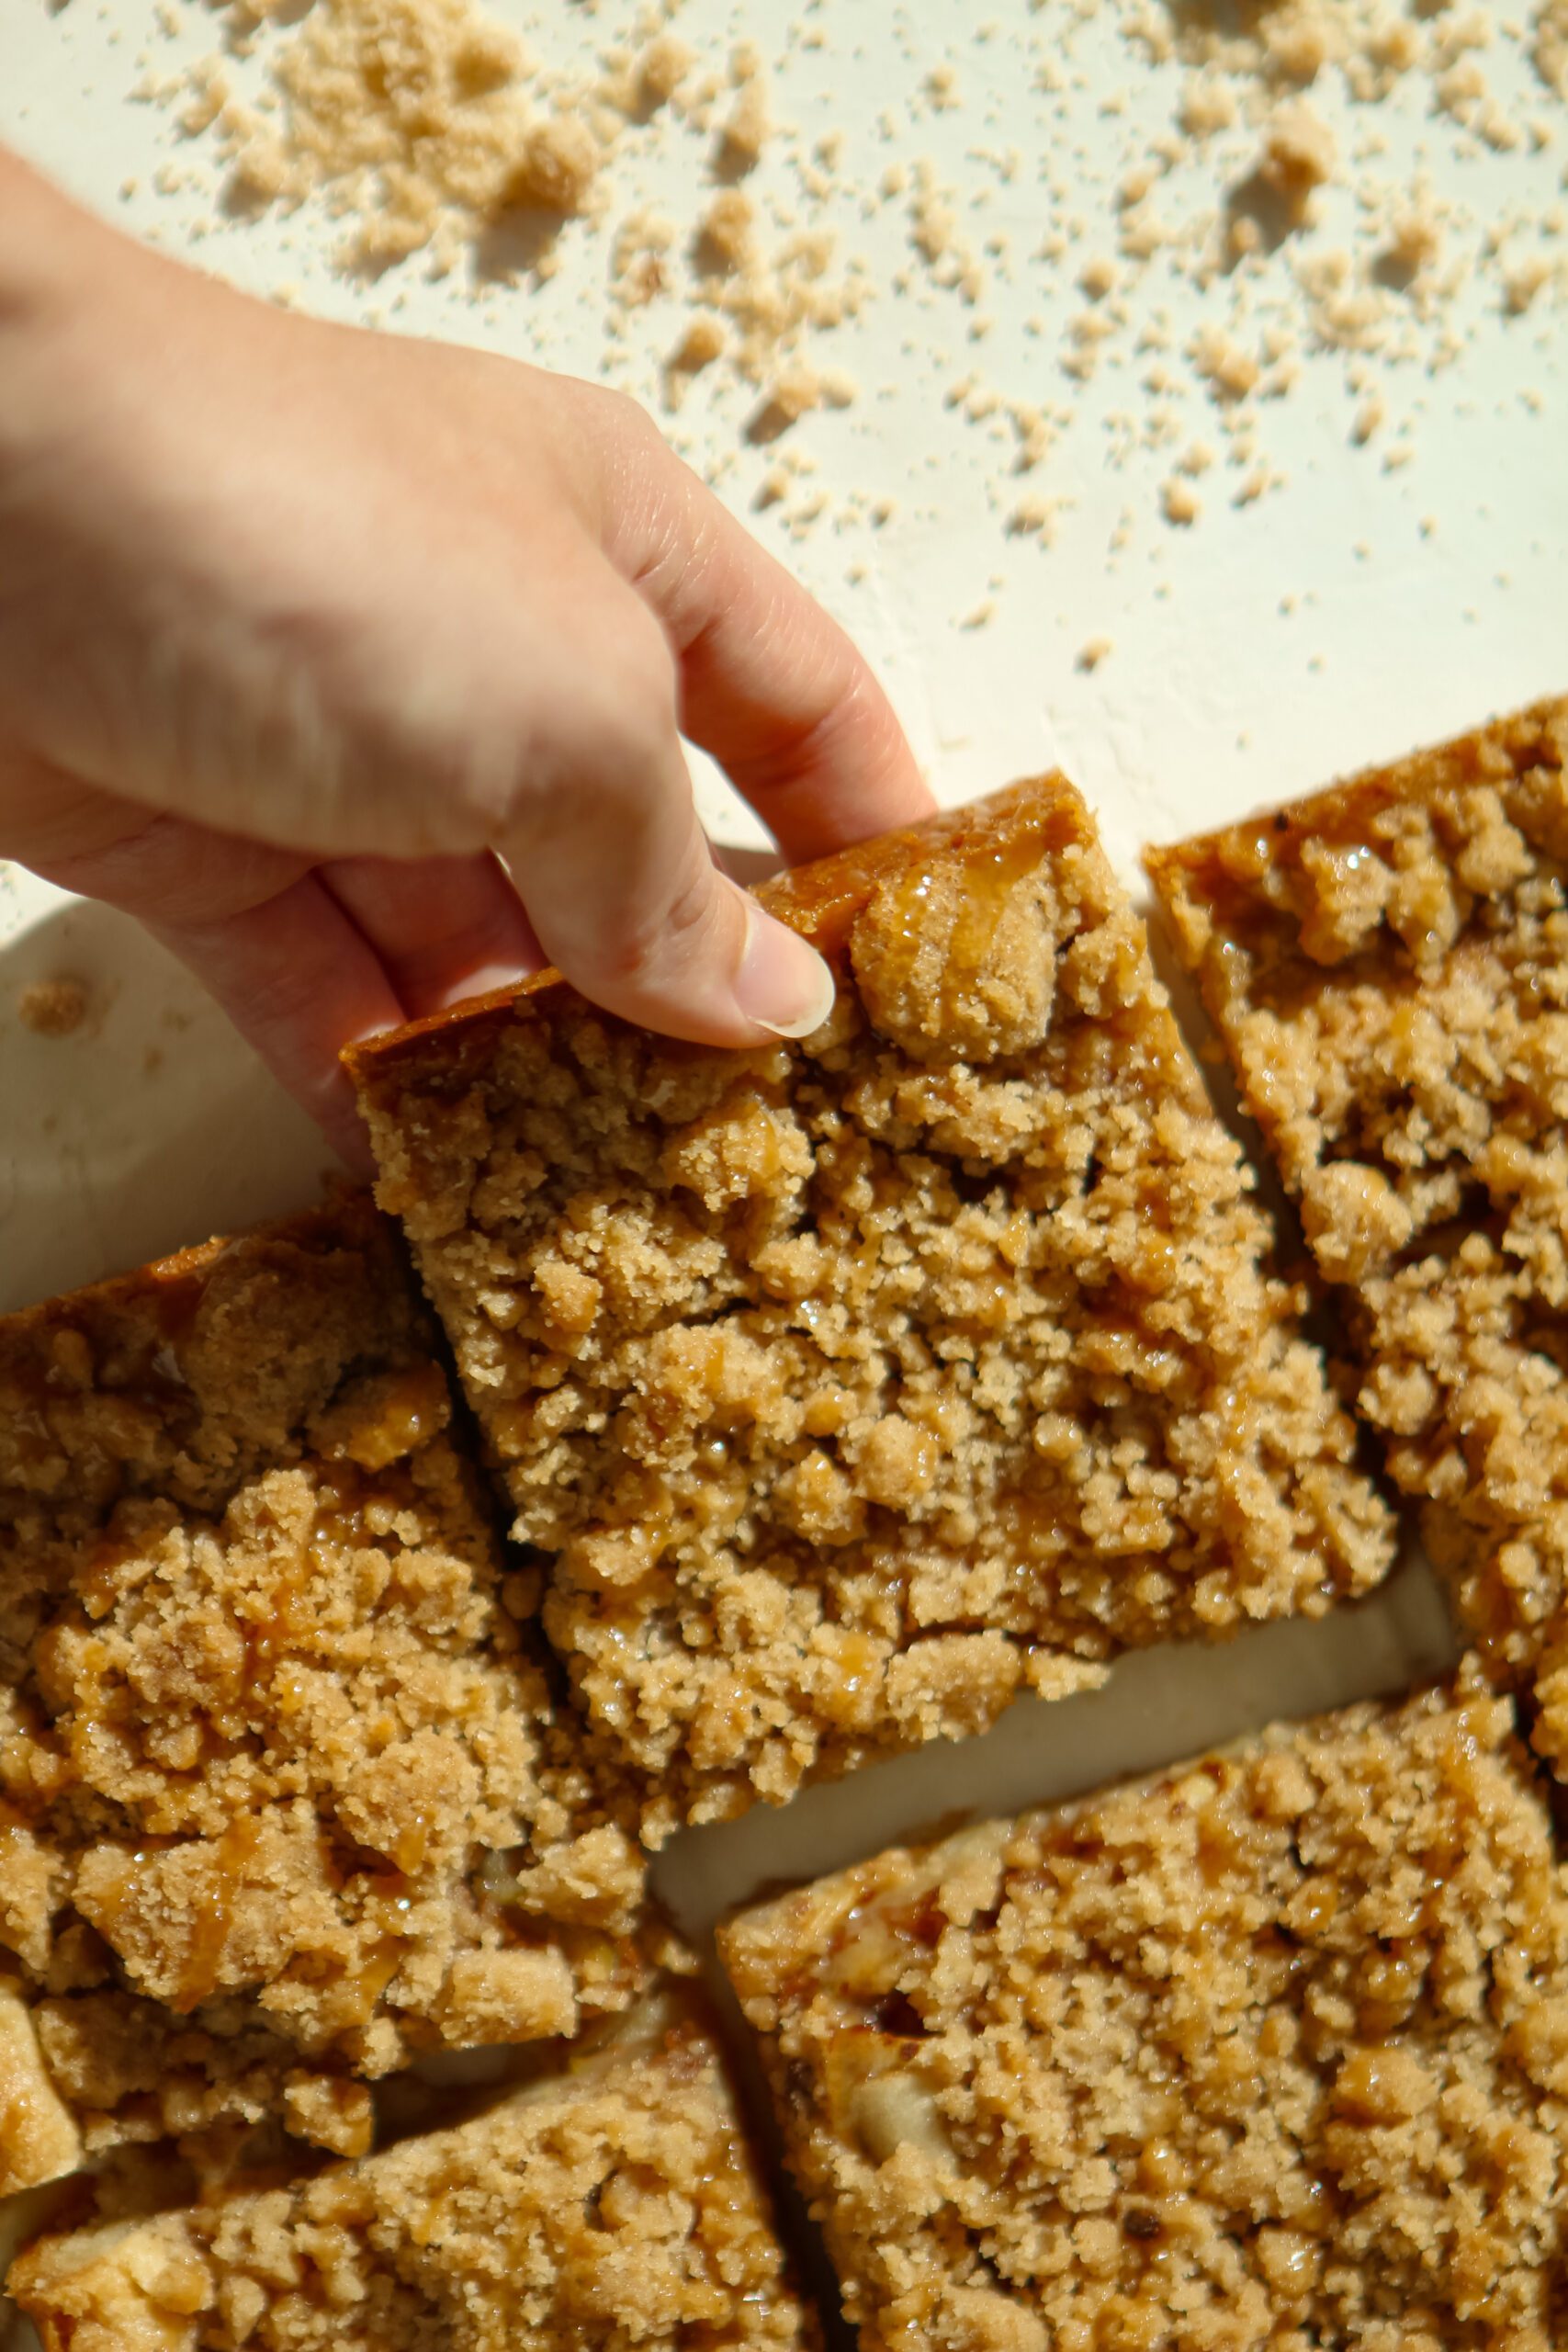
point(149, 1124)
point(146, 1125)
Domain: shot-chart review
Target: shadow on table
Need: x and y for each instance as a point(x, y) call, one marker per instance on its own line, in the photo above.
point(133, 1119)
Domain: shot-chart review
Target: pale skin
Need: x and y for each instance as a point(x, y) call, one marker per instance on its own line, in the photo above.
point(357, 668)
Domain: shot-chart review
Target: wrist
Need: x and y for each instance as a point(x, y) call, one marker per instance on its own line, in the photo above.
point(47, 246)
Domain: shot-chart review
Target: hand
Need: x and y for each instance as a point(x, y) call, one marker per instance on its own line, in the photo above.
point(356, 667)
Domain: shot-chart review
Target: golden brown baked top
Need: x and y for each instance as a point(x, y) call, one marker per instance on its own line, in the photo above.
point(283, 1791)
point(610, 2208)
point(1271, 2051)
point(1387, 964)
point(852, 1386)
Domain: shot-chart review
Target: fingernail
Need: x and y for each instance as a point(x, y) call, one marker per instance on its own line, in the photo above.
point(782, 985)
point(484, 981)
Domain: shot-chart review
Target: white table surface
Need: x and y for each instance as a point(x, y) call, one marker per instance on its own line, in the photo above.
point(1352, 612)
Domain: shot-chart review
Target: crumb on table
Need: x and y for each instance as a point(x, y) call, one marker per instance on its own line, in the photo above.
point(52, 1008)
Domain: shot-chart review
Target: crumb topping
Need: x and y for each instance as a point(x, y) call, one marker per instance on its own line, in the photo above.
point(283, 1792)
point(1387, 964)
point(1272, 2052)
point(853, 1388)
point(609, 2206)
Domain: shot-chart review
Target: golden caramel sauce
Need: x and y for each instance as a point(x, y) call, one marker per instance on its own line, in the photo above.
point(922, 906)
point(403, 1412)
point(208, 1944)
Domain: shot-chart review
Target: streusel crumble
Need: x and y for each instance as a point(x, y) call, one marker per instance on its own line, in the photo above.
point(611, 2206)
point(1268, 2053)
point(850, 1388)
point(1387, 964)
point(283, 1792)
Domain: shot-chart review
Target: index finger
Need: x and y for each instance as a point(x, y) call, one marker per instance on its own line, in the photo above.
point(770, 683)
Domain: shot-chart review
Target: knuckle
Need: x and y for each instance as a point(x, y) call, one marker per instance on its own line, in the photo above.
point(677, 933)
point(621, 421)
point(695, 912)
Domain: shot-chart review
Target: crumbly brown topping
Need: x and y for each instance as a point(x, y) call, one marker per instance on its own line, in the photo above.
point(609, 2206)
point(1268, 2053)
point(854, 1387)
point(1387, 964)
point(283, 1793)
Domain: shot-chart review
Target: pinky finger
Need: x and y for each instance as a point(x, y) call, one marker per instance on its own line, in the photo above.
point(298, 981)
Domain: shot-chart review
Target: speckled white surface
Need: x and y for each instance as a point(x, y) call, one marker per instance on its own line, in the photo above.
point(1353, 611)
point(1346, 615)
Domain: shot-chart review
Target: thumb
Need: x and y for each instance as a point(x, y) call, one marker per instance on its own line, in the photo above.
point(618, 878)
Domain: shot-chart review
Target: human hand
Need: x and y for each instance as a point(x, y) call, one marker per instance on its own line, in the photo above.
point(356, 667)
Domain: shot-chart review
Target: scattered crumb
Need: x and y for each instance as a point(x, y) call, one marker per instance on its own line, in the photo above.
point(1298, 154)
point(1207, 104)
point(728, 227)
point(746, 127)
point(557, 169)
point(1034, 514)
point(54, 1008)
point(1523, 280)
point(1229, 371)
point(1179, 503)
point(663, 66)
point(702, 343)
point(1094, 651)
point(1414, 240)
point(1549, 45)
point(422, 130)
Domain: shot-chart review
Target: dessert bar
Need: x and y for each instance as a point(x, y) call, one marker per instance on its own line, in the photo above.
point(845, 1389)
point(285, 1795)
point(1268, 2051)
point(612, 2206)
point(1387, 964)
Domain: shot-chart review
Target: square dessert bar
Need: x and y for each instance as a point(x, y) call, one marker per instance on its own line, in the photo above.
point(1387, 964)
point(1270, 2051)
point(609, 2206)
point(852, 1386)
point(283, 1792)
